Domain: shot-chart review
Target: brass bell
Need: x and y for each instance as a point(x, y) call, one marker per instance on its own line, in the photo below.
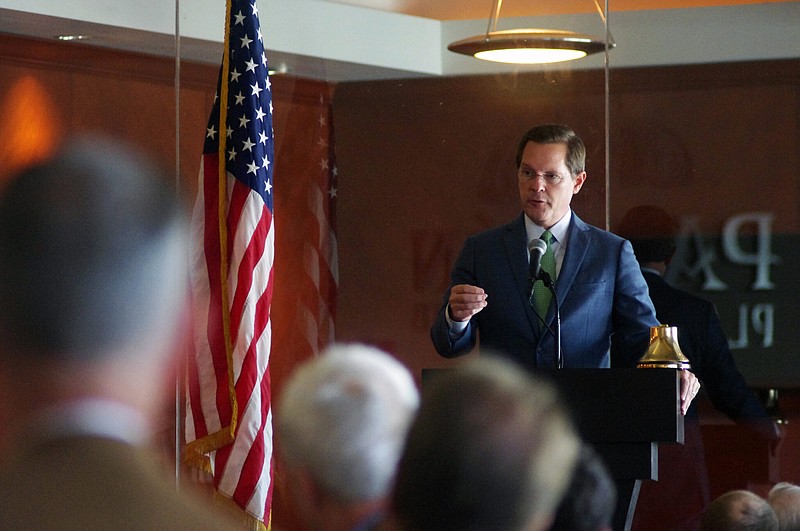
point(664, 351)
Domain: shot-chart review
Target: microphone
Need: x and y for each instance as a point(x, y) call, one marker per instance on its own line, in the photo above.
point(537, 249)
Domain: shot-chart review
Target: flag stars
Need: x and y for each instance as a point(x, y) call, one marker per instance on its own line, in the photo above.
point(265, 163)
point(323, 164)
point(262, 137)
point(235, 75)
point(322, 143)
point(322, 121)
point(256, 89)
point(243, 121)
point(260, 114)
point(332, 192)
point(246, 42)
point(211, 133)
point(248, 145)
point(239, 98)
point(251, 66)
point(228, 132)
point(268, 187)
point(252, 168)
point(239, 18)
point(231, 154)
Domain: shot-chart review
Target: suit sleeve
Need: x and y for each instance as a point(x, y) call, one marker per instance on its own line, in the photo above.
point(463, 273)
point(633, 313)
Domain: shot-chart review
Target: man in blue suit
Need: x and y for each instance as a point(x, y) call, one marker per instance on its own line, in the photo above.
point(598, 287)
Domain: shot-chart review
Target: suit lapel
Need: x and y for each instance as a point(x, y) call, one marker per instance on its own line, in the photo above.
point(577, 246)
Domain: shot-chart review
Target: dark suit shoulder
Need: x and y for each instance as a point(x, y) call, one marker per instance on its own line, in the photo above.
point(660, 289)
point(603, 236)
point(498, 231)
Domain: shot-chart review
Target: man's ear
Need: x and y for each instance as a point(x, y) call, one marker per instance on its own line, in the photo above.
point(577, 183)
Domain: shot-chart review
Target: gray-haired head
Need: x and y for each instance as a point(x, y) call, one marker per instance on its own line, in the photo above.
point(343, 417)
point(92, 254)
point(739, 510)
point(784, 498)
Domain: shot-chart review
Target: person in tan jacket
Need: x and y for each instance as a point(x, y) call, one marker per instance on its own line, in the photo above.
point(93, 297)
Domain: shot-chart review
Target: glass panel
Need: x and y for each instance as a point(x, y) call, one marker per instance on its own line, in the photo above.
point(386, 163)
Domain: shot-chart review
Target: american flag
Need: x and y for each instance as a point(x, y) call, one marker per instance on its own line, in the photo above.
point(228, 412)
point(320, 258)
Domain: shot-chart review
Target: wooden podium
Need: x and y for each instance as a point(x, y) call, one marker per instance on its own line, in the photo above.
point(624, 414)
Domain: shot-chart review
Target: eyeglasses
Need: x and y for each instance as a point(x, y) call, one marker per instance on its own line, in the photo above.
point(549, 177)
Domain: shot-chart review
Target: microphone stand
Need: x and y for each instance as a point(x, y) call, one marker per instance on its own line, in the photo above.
point(548, 282)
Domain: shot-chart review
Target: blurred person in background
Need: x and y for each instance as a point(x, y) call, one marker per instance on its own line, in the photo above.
point(342, 420)
point(677, 500)
point(492, 449)
point(739, 510)
point(591, 497)
point(784, 498)
point(94, 299)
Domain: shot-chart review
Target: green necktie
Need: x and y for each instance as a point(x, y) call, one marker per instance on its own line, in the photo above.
point(541, 293)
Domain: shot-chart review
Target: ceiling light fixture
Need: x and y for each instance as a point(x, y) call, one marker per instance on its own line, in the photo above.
point(72, 37)
point(529, 46)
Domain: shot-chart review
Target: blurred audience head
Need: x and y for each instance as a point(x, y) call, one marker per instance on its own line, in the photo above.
point(739, 510)
point(652, 233)
point(785, 501)
point(591, 496)
point(92, 274)
point(342, 419)
point(491, 449)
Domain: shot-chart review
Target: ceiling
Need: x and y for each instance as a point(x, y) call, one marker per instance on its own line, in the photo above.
point(344, 40)
point(476, 9)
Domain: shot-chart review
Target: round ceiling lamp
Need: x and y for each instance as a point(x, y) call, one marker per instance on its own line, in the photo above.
point(529, 46)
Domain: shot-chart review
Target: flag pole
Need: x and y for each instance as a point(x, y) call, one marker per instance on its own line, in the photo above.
point(177, 88)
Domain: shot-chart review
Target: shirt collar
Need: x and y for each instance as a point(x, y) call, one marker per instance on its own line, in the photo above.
point(93, 417)
point(560, 230)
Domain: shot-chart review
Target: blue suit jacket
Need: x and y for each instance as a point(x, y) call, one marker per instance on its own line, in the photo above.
point(600, 291)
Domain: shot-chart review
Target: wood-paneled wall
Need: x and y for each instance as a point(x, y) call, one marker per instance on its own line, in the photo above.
point(426, 162)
